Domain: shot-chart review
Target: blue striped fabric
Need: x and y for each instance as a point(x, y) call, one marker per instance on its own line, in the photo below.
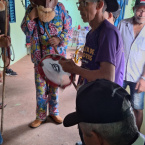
point(27, 2)
point(12, 13)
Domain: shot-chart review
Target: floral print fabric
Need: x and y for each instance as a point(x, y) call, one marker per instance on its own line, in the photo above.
point(60, 27)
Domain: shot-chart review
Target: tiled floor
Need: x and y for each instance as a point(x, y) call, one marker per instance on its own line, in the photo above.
point(20, 111)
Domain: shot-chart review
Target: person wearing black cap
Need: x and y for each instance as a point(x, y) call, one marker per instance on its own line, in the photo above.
point(103, 56)
point(105, 117)
point(112, 16)
point(133, 34)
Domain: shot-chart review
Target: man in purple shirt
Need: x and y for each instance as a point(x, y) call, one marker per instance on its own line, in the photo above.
point(103, 55)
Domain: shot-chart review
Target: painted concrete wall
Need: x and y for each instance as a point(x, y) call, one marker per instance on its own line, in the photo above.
point(17, 36)
point(129, 10)
point(70, 5)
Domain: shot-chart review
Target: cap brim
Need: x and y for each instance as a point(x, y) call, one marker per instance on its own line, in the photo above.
point(71, 119)
point(112, 5)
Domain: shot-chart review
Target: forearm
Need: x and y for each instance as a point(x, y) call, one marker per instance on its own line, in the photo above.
point(67, 27)
point(28, 25)
point(64, 36)
point(92, 75)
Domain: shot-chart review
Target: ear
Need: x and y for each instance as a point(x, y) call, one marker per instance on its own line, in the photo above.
point(97, 138)
point(110, 15)
point(100, 5)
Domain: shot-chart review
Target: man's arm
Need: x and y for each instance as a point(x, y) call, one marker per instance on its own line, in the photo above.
point(67, 28)
point(28, 23)
point(106, 71)
point(66, 33)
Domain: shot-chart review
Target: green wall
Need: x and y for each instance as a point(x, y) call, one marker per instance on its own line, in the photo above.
point(17, 36)
point(129, 10)
point(70, 5)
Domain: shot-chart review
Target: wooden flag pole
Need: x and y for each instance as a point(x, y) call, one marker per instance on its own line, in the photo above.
point(3, 90)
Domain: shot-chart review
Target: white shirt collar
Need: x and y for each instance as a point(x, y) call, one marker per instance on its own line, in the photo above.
point(140, 140)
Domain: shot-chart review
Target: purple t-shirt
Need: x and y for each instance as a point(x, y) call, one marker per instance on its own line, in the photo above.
point(104, 45)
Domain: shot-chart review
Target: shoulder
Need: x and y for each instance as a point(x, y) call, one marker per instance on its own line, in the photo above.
point(59, 4)
point(125, 21)
point(29, 8)
point(111, 35)
point(109, 30)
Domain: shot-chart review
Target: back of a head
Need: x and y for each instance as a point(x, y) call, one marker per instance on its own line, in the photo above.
point(112, 5)
point(123, 132)
point(113, 120)
point(117, 13)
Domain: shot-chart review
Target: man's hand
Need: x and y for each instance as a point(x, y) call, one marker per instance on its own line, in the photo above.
point(54, 41)
point(68, 65)
point(5, 41)
point(72, 55)
point(140, 86)
point(80, 54)
point(33, 14)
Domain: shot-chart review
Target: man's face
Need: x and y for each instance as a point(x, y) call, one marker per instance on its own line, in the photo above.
point(87, 10)
point(45, 3)
point(140, 14)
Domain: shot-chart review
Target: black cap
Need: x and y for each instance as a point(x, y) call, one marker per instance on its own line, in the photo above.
point(140, 3)
point(112, 5)
point(100, 101)
point(117, 13)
